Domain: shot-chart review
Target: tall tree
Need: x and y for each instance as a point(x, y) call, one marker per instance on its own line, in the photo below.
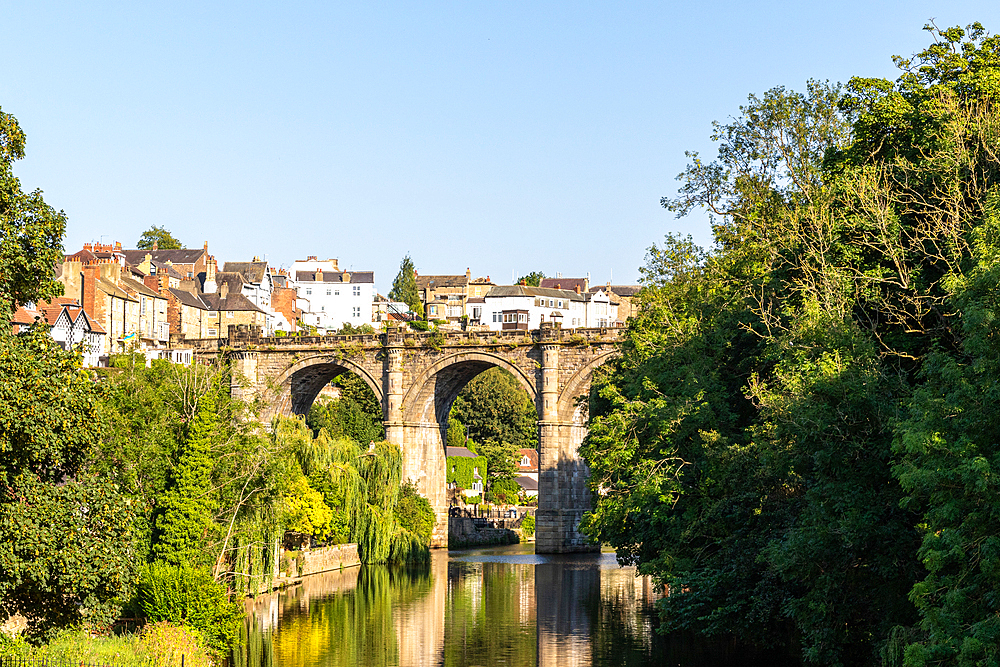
point(404, 287)
point(64, 533)
point(533, 279)
point(31, 231)
point(159, 237)
point(185, 513)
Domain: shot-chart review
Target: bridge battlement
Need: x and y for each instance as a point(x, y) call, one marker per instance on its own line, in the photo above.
point(416, 378)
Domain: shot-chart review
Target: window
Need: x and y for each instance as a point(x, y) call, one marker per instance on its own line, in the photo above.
point(309, 291)
point(525, 462)
point(322, 307)
point(357, 290)
point(495, 316)
point(432, 310)
point(190, 274)
point(230, 314)
point(336, 292)
point(212, 332)
point(328, 291)
point(522, 317)
point(357, 311)
point(560, 304)
point(551, 303)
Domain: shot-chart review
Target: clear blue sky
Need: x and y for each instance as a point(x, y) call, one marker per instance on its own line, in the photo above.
point(502, 136)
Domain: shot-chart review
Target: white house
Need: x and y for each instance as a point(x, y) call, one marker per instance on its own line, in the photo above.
point(513, 307)
point(72, 328)
point(332, 298)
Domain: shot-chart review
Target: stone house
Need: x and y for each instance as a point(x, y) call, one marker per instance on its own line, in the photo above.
point(445, 297)
point(285, 302)
point(226, 310)
point(623, 294)
point(190, 264)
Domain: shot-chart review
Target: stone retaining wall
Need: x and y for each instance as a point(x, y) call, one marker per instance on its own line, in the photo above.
point(462, 532)
point(314, 561)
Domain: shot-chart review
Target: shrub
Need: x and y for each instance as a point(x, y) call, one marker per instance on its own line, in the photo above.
point(415, 514)
point(420, 325)
point(528, 526)
point(503, 492)
point(187, 596)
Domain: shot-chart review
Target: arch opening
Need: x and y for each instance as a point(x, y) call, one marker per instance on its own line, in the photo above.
point(299, 385)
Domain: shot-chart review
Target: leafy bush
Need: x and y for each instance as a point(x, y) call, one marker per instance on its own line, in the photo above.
point(414, 513)
point(187, 596)
point(420, 325)
point(503, 492)
point(528, 526)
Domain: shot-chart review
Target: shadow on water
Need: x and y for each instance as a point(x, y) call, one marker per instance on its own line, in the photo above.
point(498, 606)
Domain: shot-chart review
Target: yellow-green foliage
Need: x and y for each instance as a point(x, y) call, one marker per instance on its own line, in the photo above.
point(307, 513)
point(162, 644)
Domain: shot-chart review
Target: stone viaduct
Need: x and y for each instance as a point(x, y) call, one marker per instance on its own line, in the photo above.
point(417, 376)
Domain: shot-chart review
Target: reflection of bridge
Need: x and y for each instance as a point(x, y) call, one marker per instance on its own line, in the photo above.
point(417, 377)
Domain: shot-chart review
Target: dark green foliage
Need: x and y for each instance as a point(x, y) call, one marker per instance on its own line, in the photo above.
point(533, 279)
point(185, 513)
point(528, 526)
point(163, 239)
point(186, 595)
point(356, 414)
point(31, 232)
point(501, 458)
point(415, 514)
point(65, 535)
point(494, 407)
point(65, 552)
point(503, 492)
point(461, 470)
point(839, 337)
point(404, 287)
point(456, 433)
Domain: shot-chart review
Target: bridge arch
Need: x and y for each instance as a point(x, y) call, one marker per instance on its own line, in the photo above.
point(298, 385)
point(569, 406)
point(432, 392)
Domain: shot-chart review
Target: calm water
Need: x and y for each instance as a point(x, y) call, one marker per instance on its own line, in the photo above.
point(498, 606)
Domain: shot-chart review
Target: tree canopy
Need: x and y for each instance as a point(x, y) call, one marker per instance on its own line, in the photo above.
point(533, 279)
point(159, 237)
point(31, 231)
point(404, 287)
point(787, 440)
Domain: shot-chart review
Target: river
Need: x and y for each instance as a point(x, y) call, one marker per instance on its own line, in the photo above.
point(496, 606)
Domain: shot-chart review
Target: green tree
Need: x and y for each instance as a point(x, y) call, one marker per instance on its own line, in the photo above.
point(493, 406)
point(64, 534)
point(533, 279)
point(404, 287)
point(159, 237)
point(185, 514)
point(31, 231)
point(356, 414)
point(501, 459)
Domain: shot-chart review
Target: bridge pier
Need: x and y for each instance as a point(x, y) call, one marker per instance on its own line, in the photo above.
point(563, 495)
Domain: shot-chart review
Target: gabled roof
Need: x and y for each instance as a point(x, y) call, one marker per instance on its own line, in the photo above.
point(252, 272)
point(336, 276)
point(182, 256)
point(163, 267)
point(522, 290)
point(234, 279)
point(140, 288)
point(423, 282)
point(188, 298)
point(532, 455)
point(111, 289)
point(234, 302)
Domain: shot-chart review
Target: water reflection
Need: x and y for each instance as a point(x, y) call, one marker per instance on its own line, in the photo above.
point(502, 606)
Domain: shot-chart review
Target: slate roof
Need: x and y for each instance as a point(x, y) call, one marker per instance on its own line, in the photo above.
point(188, 298)
point(527, 483)
point(620, 290)
point(463, 452)
point(231, 302)
point(163, 267)
point(423, 282)
point(137, 286)
point(336, 277)
point(253, 272)
point(182, 256)
point(49, 312)
point(522, 290)
point(565, 283)
point(232, 278)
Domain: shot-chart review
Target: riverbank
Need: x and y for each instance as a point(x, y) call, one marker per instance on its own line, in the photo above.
point(294, 565)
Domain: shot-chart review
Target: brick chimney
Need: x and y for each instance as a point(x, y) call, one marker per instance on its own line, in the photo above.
point(224, 290)
point(156, 245)
point(578, 288)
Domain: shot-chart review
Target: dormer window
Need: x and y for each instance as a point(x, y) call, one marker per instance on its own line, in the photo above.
point(525, 462)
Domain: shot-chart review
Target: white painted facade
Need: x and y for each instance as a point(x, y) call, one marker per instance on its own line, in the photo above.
point(330, 299)
point(530, 307)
